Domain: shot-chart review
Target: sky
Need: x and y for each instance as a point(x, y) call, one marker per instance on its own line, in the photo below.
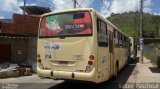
point(104, 7)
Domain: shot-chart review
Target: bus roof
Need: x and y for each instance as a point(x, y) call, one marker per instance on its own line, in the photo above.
point(84, 9)
point(68, 10)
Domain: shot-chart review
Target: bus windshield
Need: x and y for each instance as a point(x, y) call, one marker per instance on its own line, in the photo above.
point(66, 24)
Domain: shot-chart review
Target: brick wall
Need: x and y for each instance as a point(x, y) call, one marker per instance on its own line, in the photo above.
point(7, 27)
point(22, 24)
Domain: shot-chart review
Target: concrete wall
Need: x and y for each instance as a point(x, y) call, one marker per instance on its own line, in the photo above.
point(32, 50)
point(19, 49)
point(18, 45)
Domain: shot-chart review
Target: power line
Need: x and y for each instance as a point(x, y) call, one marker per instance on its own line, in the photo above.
point(86, 3)
point(78, 4)
point(66, 3)
point(53, 6)
point(75, 3)
point(42, 3)
point(106, 7)
point(62, 4)
point(81, 3)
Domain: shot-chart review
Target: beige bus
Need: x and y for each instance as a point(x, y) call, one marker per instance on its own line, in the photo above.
point(80, 44)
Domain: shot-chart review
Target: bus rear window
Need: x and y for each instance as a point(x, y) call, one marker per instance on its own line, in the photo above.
point(66, 24)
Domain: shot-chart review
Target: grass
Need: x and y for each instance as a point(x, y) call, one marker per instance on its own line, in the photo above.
point(150, 53)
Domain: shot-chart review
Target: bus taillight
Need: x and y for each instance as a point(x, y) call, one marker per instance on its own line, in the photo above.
point(91, 57)
point(90, 63)
point(39, 60)
point(38, 55)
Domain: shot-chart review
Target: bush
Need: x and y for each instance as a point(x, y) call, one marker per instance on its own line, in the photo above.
point(150, 53)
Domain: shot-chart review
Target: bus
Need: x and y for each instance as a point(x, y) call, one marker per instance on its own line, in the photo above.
point(133, 48)
point(80, 44)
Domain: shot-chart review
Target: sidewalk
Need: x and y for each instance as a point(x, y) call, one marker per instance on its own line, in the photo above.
point(147, 73)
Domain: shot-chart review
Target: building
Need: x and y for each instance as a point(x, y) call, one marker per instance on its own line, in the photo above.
point(18, 37)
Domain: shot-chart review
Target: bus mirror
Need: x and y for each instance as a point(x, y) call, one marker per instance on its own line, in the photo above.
point(130, 44)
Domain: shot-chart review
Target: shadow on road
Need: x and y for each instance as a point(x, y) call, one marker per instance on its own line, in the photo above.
point(123, 76)
point(154, 69)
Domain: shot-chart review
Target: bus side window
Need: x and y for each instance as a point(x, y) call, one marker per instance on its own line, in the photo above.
point(115, 37)
point(110, 42)
point(120, 43)
point(114, 33)
point(124, 43)
point(118, 37)
point(122, 39)
point(102, 33)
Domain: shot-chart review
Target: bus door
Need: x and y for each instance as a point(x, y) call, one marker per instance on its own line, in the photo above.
point(111, 53)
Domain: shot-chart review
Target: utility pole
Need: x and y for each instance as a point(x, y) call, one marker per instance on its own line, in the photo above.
point(159, 26)
point(24, 10)
point(140, 33)
point(24, 7)
point(74, 3)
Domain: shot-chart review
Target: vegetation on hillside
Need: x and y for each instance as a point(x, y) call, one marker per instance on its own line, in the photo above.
point(129, 23)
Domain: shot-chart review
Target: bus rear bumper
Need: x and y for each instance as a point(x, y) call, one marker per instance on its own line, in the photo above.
point(67, 75)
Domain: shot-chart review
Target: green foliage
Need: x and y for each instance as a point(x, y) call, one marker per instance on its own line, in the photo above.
point(129, 23)
point(150, 53)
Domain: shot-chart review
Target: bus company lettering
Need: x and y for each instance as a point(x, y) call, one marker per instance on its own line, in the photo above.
point(55, 46)
point(48, 56)
point(52, 46)
point(75, 26)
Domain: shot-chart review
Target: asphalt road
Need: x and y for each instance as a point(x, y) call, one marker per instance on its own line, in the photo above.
point(126, 75)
